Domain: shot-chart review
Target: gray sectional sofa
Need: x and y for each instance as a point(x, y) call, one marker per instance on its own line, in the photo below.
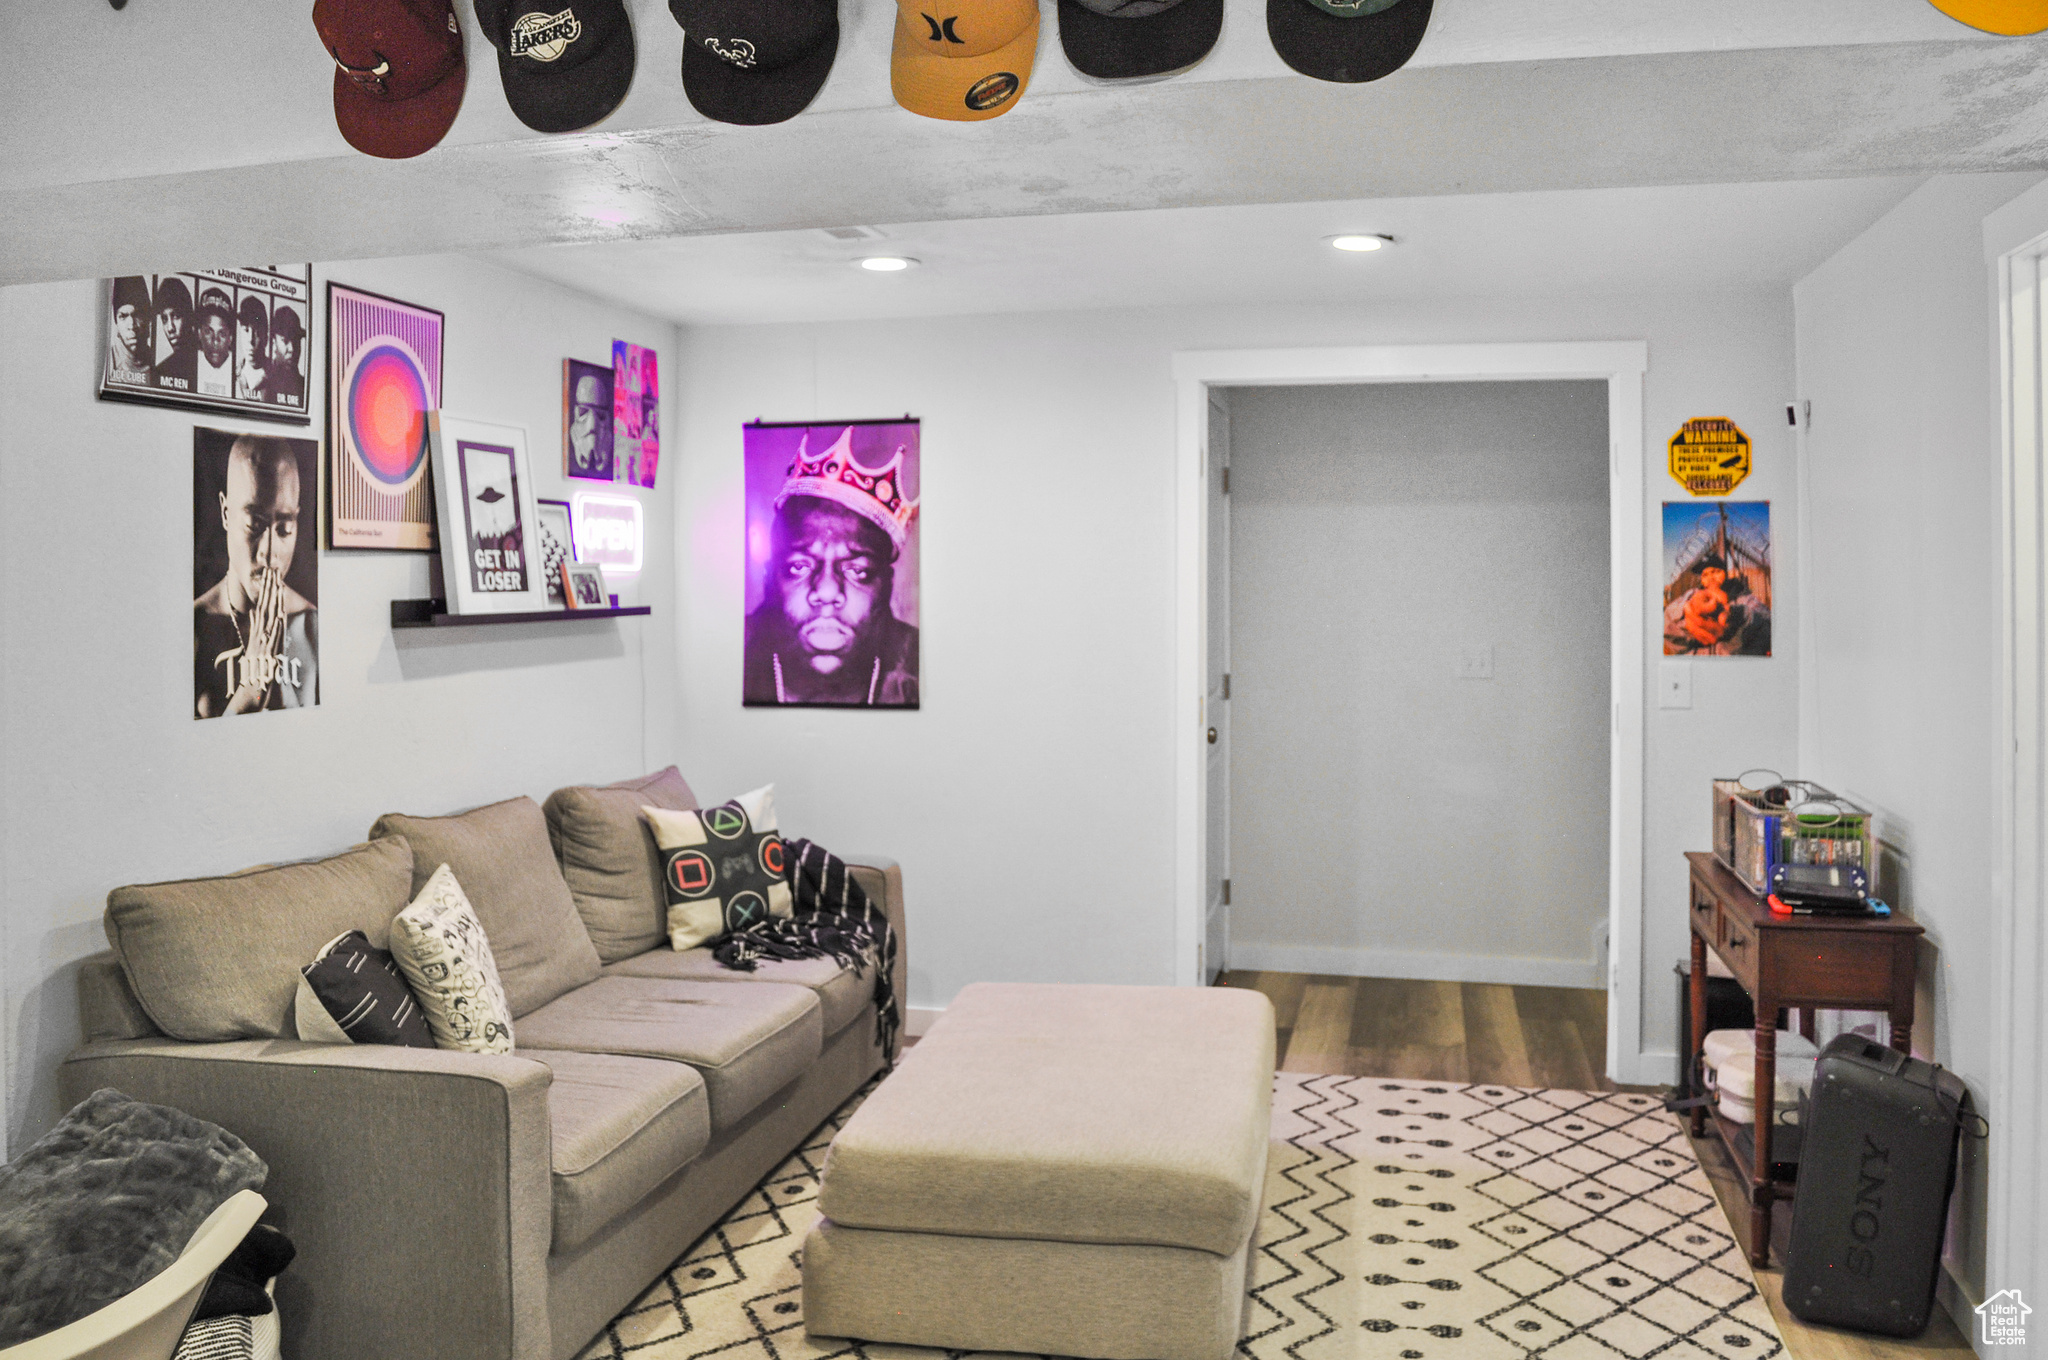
point(487, 1207)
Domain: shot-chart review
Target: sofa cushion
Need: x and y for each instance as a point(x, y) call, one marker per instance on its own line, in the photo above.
point(842, 994)
point(212, 959)
point(748, 1042)
point(609, 860)
point(621, 1126)
point(501, 856)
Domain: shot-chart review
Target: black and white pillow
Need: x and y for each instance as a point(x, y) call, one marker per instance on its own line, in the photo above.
point(721, 867)
point(353, 993)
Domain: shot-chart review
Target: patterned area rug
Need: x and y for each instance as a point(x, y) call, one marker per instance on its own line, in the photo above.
point(1404, 1220)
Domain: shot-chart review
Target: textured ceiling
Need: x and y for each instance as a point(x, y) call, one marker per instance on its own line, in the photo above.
point(1555, 243)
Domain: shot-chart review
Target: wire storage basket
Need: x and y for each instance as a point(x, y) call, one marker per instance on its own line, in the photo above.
point(1787, 821)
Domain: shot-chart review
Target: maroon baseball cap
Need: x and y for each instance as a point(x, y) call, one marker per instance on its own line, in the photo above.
point(399, 72)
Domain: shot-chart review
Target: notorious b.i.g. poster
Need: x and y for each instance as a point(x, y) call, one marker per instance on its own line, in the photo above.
point(832, 564)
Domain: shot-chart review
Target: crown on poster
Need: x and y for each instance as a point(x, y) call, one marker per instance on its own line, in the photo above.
point(875, 494)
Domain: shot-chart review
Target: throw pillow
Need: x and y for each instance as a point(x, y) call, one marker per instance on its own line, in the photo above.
point(440, 947)
point(721, 867)
point(353, 993)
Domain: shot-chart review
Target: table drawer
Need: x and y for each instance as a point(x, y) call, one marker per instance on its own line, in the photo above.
point(1738, 948)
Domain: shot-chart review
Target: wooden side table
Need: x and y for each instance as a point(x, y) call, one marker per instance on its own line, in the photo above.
point(1832, 962)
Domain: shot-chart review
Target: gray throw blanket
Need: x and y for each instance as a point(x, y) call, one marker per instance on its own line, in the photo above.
point(103, 1202)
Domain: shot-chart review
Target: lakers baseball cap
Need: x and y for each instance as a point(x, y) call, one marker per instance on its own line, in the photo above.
point(1122, 39)
point(964, 60)
point(1346, 40)
point(755, 61)
point(399, 73)
point(565, 64)
point(2014, 18)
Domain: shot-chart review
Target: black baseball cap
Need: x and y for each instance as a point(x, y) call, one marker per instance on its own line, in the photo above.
point(755, 61)
point(565, 64)
point(1122, 39)
point(1346, 42)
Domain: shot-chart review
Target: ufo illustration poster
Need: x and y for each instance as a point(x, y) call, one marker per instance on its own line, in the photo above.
point(490, 531)
point(383, 377)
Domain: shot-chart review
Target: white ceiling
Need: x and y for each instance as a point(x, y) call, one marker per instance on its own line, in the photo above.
point(1546, 244)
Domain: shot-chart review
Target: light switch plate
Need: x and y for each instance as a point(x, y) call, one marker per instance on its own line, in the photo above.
point(1674, 684)
point(1475, 663)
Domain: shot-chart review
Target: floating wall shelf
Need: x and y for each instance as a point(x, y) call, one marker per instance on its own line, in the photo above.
point(430, 614)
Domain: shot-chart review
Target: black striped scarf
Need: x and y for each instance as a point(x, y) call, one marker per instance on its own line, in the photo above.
point(832, 918)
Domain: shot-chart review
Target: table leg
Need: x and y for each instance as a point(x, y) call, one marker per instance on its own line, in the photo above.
point(1696, 1080)
point(1763, 1196)
point(1901, 1011)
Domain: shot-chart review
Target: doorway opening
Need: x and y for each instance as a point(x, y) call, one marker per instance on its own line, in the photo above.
point(1417, 639)
point(1206, 878)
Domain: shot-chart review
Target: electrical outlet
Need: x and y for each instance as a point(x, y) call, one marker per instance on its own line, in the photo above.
point(1475, 663)
point(1674, 684)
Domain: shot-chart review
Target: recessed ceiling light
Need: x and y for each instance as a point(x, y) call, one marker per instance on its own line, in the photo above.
point(887, 264)
point(1358, 244)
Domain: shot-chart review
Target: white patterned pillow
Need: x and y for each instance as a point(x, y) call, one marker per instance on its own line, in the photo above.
point(440, 947)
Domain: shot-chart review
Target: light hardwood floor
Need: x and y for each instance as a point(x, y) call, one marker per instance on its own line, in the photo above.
point(1523, 1036)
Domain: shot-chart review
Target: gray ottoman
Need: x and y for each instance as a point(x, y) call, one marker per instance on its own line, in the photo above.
point(1062, 1169)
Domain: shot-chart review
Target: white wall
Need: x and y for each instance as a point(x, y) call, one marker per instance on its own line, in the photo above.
point(1031, 800)
point(1389, 819)
point(109, 780)
point(1897, 353)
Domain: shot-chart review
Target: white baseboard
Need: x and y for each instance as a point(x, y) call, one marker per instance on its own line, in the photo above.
point(1397, 963)
point(918, 1019)
point(1652, 1067)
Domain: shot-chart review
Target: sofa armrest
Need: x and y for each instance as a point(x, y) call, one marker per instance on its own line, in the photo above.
point(415, 1183)
point(882, 879)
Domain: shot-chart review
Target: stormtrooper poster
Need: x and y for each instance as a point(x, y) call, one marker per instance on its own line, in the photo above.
point(832, 557)
point(1717, 578)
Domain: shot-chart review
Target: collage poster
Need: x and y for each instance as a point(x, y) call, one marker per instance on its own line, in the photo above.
point(832, 564)
point(255, 580)
point(1717, 578)
point(636, 414)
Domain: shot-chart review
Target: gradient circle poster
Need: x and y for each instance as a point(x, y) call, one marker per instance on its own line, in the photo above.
point(832, 561)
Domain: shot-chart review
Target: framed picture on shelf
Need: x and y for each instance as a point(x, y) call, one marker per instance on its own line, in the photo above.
point(585, 585)
point(490, 523)
point(224, 340)
point(587, 423)
point(557, 547)
point(383, 376)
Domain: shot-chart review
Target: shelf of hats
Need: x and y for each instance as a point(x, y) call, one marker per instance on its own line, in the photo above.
point(400, 67)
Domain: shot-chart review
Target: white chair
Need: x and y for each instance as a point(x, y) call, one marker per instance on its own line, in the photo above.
point(146, 1323)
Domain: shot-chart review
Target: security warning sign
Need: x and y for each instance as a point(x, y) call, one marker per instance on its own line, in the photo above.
point(1710, 455)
